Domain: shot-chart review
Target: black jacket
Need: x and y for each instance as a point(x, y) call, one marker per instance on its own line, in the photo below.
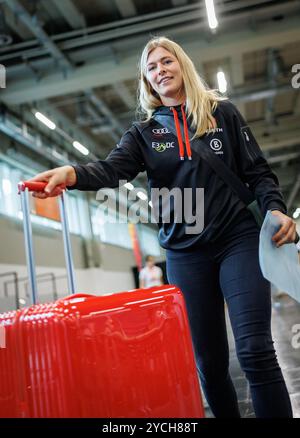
point(145, 147)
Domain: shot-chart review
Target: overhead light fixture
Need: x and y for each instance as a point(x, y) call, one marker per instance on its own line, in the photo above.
point(80, 148)
point(45, 120)
point(222, 83)
point(211, 15)
point(142, 196)
point(42, 118)
point(129, 186)
point(58, 155)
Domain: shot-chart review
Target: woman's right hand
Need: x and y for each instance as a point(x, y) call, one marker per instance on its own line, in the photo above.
point(64, 175)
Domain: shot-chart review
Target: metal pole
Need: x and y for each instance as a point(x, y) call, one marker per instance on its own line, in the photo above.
point(67, 243)
point(55, 295)
point(17, 290)
point(29, 244)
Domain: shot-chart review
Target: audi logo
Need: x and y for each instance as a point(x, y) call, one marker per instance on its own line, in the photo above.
point(160, 131)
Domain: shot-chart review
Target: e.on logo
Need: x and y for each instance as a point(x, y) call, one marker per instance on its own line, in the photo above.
point(2, 76)
point(2, 337)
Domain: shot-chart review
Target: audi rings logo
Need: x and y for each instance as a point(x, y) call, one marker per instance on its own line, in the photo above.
point(161, 131)
point(216, 144)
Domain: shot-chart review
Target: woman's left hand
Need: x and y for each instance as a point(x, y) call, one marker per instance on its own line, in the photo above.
point(287, 231)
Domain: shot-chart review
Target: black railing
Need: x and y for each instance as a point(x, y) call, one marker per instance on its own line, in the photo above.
point(41, 278)
point(15, 281)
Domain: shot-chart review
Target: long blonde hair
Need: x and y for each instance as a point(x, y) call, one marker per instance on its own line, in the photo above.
point(200, 100)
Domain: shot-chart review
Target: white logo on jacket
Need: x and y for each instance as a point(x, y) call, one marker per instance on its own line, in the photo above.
point(213, 130)
point(161, 131)
point(215, 144)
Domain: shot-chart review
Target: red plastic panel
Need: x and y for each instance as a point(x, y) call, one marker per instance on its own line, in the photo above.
point(122, 355)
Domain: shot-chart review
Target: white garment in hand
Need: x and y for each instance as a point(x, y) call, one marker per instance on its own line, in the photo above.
point(279, 265)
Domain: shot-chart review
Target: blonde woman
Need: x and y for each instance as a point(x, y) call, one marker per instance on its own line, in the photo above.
point(219, 260)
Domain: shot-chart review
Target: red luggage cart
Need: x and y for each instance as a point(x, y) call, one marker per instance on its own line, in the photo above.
point(124, 355)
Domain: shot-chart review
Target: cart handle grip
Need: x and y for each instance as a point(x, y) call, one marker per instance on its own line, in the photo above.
point(36, 186)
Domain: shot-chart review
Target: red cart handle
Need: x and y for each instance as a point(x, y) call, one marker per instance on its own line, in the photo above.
point(71, 297)
point(36, 186)
point(59, 190)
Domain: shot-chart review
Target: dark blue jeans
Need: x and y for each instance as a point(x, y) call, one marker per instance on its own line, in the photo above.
point(229, 269)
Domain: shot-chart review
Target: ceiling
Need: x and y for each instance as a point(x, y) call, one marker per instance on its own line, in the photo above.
point(76, 62)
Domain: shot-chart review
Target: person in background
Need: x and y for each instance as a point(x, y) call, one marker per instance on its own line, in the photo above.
point(150, 275)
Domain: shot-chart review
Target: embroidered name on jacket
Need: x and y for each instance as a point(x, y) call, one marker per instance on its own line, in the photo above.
point(213, 130)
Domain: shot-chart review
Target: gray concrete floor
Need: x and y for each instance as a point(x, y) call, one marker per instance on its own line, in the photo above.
point(285, 314)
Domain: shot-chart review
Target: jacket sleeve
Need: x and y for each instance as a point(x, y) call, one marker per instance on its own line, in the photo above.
point(254, 168)
point(124, 162)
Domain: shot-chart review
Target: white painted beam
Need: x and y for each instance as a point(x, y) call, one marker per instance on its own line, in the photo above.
point(33, 25)
point(177, 3)
point(71, 14)
point(237, 78)
point(121, 89)
point(16, 25)
point(126, 8)
point(107, 72)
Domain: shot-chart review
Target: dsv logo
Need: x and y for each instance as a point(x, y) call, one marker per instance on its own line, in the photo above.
point(161, 147)
point(161, 131)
